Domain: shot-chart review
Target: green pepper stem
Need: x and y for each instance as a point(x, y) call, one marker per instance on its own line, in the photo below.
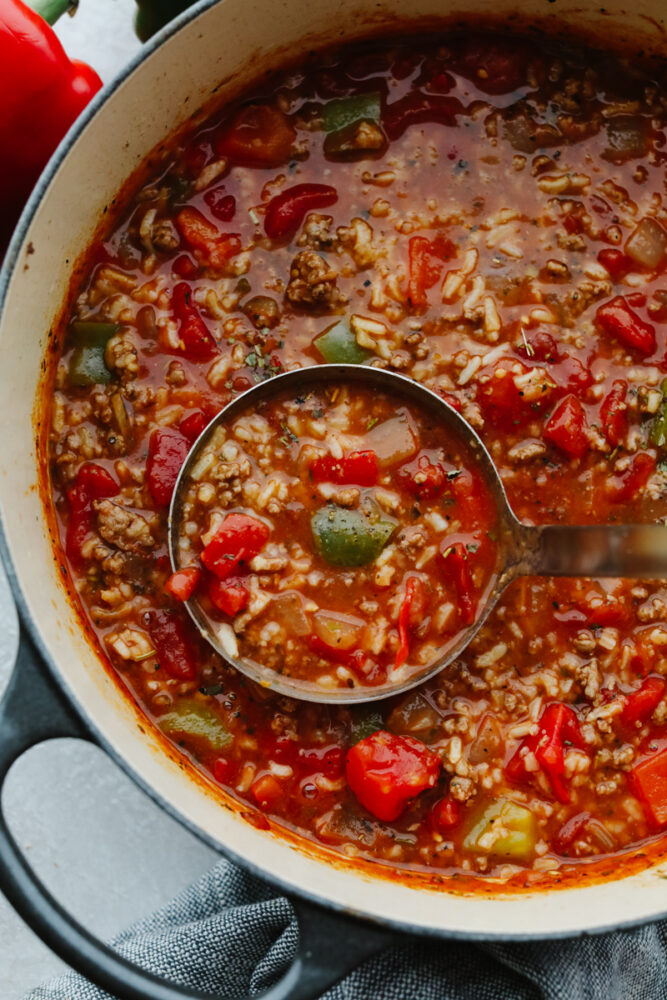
point(51, 10)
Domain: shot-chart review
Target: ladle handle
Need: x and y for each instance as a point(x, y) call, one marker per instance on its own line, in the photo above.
point(623, 550)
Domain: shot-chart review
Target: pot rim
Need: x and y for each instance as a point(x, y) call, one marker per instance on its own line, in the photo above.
point(48, 663)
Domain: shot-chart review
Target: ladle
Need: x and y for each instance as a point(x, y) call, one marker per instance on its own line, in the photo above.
point(610, 550)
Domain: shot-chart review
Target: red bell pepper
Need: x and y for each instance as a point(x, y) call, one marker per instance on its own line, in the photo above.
point(196, 341)
point(566, 427)
point(258, 136)
point(618, 319)
point(538, 345)
point(624, 486)
point(410, 615)
point(386, 771)
point(238, 539)
point(285, 212)
point(503, 401)
point(216, 248)
point(649, 780)
point(92, 482)
point(193, 425)
point(222, 206)
point(230, 595)
point(453, 560)
point(422, 478)
point(167, 450)
point(614, 413)
point(182, 583)
point(425, 260)
point(558, 726)
point(43, 93)
point(572, 376)
point(617, 263)
point(359, 468)
point(642, 703)
point(175, 652)
point(446, 814)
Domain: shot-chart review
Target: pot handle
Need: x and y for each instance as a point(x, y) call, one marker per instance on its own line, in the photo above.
point(33, 710)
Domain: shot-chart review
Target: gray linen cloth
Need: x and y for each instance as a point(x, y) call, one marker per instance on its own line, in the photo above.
point(233, 935)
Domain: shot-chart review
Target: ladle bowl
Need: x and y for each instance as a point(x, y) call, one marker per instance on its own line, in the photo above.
point(611, 550)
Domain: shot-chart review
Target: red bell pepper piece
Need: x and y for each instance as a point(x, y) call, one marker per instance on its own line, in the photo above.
point(416, 108)
point(385, 772)
point(558, 726)
point(216, 248)
point(445, 815)
point(538, 346)
point(258, 136)
point(43, 93)
point(175, 652)
point(453, 560)
point(196, 341)
point(222, 770)
point(572, 376)
point(649, 780)
point(221, 205)
point(617, 318)
point(425, 259)
point(566, 427)
point(624, 486)
point(359, 468)
point(617, 263)
point(167, 450)
point(503, 401)
point(285, 212)
point(410, 615)
point(238, 539)
point(642, 703)
point(422, 478)
point(182, 583)
point(93, 482)
point(184, 266)
point(230, 595)
point(193, 425)
point(614, 413)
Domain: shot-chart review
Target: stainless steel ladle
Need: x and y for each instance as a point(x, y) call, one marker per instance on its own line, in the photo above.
point(612, 550)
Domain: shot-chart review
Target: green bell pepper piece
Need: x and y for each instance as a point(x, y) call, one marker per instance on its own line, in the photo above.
point(194, 718)
point(87, 365)
point(658, 432)
point(504, 829)
point(351, 537)
point(344, 111)
point(338, 346)
point(365, 722)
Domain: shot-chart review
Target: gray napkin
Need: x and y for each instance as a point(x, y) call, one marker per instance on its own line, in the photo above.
point(233, 935)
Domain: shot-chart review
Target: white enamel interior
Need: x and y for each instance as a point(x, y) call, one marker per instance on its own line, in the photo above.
point(226, 42)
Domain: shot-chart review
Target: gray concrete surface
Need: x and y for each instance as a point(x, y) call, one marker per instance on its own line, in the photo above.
point(104, 849)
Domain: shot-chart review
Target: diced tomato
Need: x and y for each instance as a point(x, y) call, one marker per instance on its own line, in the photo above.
point(472, 500)
point(505, 401)
point(268, 792)
point(417, 108)
point(566, 427)
point(642, 703)
point(423, 478)
point(574, 827)
point(538, 345)
point(425, 266)
point(624, 486)
point(359, 468)
point(614, 413)
point(230, 595)
point(167, 450)
point(325, 760)
point(196, 341)
point(238, 539)
point(446, 814)
point(558, 727)
point(193, 425)
point(175, 652)
point(410, 615)
point(182, 583)
point(617, 263)
point(93, 482)
point(385, 772)
point(572, 376)
point(221, 205)
point(217, 248)
point(649, 780)
point(453, 560)
point(450, 399)
point(184, 266)
point(618, 319)
point(258, 136)
point(222, 770)
point(285, 212)
point(602, 611)
point(495, 65)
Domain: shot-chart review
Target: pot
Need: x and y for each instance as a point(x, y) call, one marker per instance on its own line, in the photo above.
point(59, 686)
